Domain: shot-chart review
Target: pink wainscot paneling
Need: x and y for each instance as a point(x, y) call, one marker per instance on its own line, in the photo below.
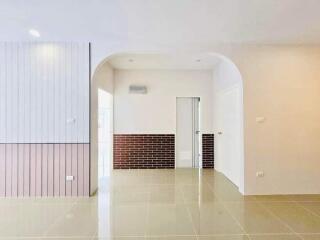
point(2, 170)
point(40, 170)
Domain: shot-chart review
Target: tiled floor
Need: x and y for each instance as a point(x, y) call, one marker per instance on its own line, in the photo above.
point(163, 204)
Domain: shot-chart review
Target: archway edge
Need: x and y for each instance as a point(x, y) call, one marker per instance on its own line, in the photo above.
point(220, 56)
point(101, 61)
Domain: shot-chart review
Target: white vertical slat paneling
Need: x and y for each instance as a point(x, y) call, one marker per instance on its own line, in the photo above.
point(14, 97)
point(9, 90)
point(43, 86)
point(50, 92)
point(27, 93)
point(57, 96)
point(21, 92)
point(68, 100)
point(3, 88)
point(86, 94)
point(62, 126)
point(33, 92)
point(38, 94)
point(74, 92)
point(45, 95)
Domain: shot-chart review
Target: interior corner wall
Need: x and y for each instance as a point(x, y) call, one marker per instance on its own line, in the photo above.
point(44, 119)
point(281, 86)
point(103, 79)
point(227, 119)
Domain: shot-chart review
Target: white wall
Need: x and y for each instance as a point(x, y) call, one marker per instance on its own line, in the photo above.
point(281, 84)
point(155, 112)
point(43, 87)
point(102, 80)
point(228, 119)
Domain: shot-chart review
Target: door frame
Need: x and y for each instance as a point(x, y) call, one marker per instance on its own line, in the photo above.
point(199, 135)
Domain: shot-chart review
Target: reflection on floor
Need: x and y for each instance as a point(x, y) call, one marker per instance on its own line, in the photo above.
point(163, 204)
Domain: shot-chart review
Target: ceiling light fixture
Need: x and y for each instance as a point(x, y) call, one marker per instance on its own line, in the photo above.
point(130, 60)
point(198, 60)
point(34, 33)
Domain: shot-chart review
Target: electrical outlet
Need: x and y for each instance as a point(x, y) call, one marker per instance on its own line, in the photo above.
point(260, 174)
point(69, 178)
point(260, 119)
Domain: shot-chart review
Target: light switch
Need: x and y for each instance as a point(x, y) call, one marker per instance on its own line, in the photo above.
point(71, 120)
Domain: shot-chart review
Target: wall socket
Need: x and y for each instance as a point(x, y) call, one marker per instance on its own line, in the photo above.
point(260, 174)
point(260, 119)
point(69, 178)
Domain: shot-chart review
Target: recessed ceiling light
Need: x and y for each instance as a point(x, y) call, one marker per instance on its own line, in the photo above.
point(130, 60)
point(198, 60)
point(34, 33)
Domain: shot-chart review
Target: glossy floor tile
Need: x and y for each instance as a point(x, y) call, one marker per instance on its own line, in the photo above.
point(182, 204)
point(275, 237)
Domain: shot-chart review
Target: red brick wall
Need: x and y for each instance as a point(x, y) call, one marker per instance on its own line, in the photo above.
point(131, 151)
point(207, 150)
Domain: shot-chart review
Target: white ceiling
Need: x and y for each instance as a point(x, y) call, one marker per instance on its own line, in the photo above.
point(161, 61)
point(168, 22)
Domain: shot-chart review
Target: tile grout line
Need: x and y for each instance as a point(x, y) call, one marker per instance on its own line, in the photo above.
point(307, 209)
point(282, 221)
point(189, 213)
point(224, 206)
point(45, 234)
point(147, 214)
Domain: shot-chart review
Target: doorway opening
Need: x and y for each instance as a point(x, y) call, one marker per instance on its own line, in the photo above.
point(104, 139)
point(188, 142)
point(157, 115)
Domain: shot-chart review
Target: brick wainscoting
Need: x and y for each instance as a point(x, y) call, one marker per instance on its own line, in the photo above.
point(207, 150)
point(132, 151)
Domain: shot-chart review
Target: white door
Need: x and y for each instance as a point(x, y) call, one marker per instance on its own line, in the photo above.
point(104, 134)
point(188, 133)
point(228, 136)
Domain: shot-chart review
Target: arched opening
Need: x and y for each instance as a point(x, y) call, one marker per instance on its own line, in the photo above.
point(228, 122)
point(101, 125)
point(221, 108)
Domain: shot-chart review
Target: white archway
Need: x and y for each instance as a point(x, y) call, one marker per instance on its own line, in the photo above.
point(228, 94)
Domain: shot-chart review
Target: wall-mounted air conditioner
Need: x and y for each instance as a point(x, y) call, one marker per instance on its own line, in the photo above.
point(138, 89)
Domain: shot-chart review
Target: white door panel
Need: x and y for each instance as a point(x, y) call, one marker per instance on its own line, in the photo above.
point(187, 132)
point(227, 139)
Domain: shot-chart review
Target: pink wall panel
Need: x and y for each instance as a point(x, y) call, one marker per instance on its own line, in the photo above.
point(44, 171)
point(14, 170)
point(26, 170)
point(38, 169)
point(8, 169)
point(50, 170)
point(2, 170)
point(62, 160)
point(80, 170)
point(41, 170)
point(33, 159)
point(74, 169)
point(56, 170)
point(20, 169)
point(86, 175)
point(68, 169)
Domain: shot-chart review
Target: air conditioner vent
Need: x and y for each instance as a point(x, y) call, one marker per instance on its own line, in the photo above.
point(137, 89)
